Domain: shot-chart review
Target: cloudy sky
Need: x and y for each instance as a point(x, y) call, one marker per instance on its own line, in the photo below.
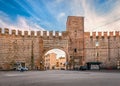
point(100, 15)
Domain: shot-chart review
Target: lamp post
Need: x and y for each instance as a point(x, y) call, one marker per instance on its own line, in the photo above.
point(40, 65)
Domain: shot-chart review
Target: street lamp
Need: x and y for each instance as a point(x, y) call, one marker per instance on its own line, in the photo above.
point(41, 65)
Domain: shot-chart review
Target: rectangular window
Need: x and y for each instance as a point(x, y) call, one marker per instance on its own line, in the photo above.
point(114, 38)
point(75, 50)
point(97, 43)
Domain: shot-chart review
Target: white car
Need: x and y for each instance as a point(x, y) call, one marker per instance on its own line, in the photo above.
point(22, 69)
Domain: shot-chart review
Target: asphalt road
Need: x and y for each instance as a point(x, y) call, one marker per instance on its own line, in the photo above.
point(59, 78)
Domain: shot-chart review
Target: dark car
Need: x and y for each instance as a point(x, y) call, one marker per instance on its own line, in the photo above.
point(83, 68)
point(62, 68)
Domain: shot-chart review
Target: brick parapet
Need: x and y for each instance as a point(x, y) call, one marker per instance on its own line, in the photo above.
point(99, 35)
point(94, 34)
point(64, 34)
point(19, 33)
point(6, 31)
point(111, 34)
point(13, 32)
point(38, 33)
point(26, 33)
point(117, 33)
point(87, 34)
point(105, 34)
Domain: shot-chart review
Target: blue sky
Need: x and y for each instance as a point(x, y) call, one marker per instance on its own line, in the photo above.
point(52, 14)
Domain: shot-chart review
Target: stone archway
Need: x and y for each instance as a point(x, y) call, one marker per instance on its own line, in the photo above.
point(62, 49)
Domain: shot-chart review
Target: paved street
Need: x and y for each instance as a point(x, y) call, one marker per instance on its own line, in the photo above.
point(59, 78)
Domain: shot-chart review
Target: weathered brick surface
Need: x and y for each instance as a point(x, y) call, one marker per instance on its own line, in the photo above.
point(108, 49)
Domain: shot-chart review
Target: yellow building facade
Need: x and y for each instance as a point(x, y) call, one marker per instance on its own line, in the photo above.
point(61, 63)
point(50, 61)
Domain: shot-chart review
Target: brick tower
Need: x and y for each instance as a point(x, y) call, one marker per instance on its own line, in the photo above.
point(75, 29)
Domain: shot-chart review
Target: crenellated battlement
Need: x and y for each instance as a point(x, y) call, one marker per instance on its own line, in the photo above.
point(26, 33)
point(14, 32)
point(43, 34)
point(117, 33)
point(101, 34)
point(19, 33)
point(6, 31)
point(56, 34)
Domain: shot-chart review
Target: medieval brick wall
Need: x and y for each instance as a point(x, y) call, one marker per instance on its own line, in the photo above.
point(30, 49)
point(19, 48)
point(103, 48)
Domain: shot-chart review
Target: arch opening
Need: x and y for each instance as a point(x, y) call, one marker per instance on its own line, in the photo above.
point(55, 59)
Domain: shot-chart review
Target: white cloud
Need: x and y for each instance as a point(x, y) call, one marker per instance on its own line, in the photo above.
point(60, 16)
point(27, 25)
point(94, 22)
point(20, 24)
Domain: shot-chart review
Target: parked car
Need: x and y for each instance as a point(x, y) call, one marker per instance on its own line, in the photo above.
point(22, 69)
point(62, 68)
point(83, 68)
